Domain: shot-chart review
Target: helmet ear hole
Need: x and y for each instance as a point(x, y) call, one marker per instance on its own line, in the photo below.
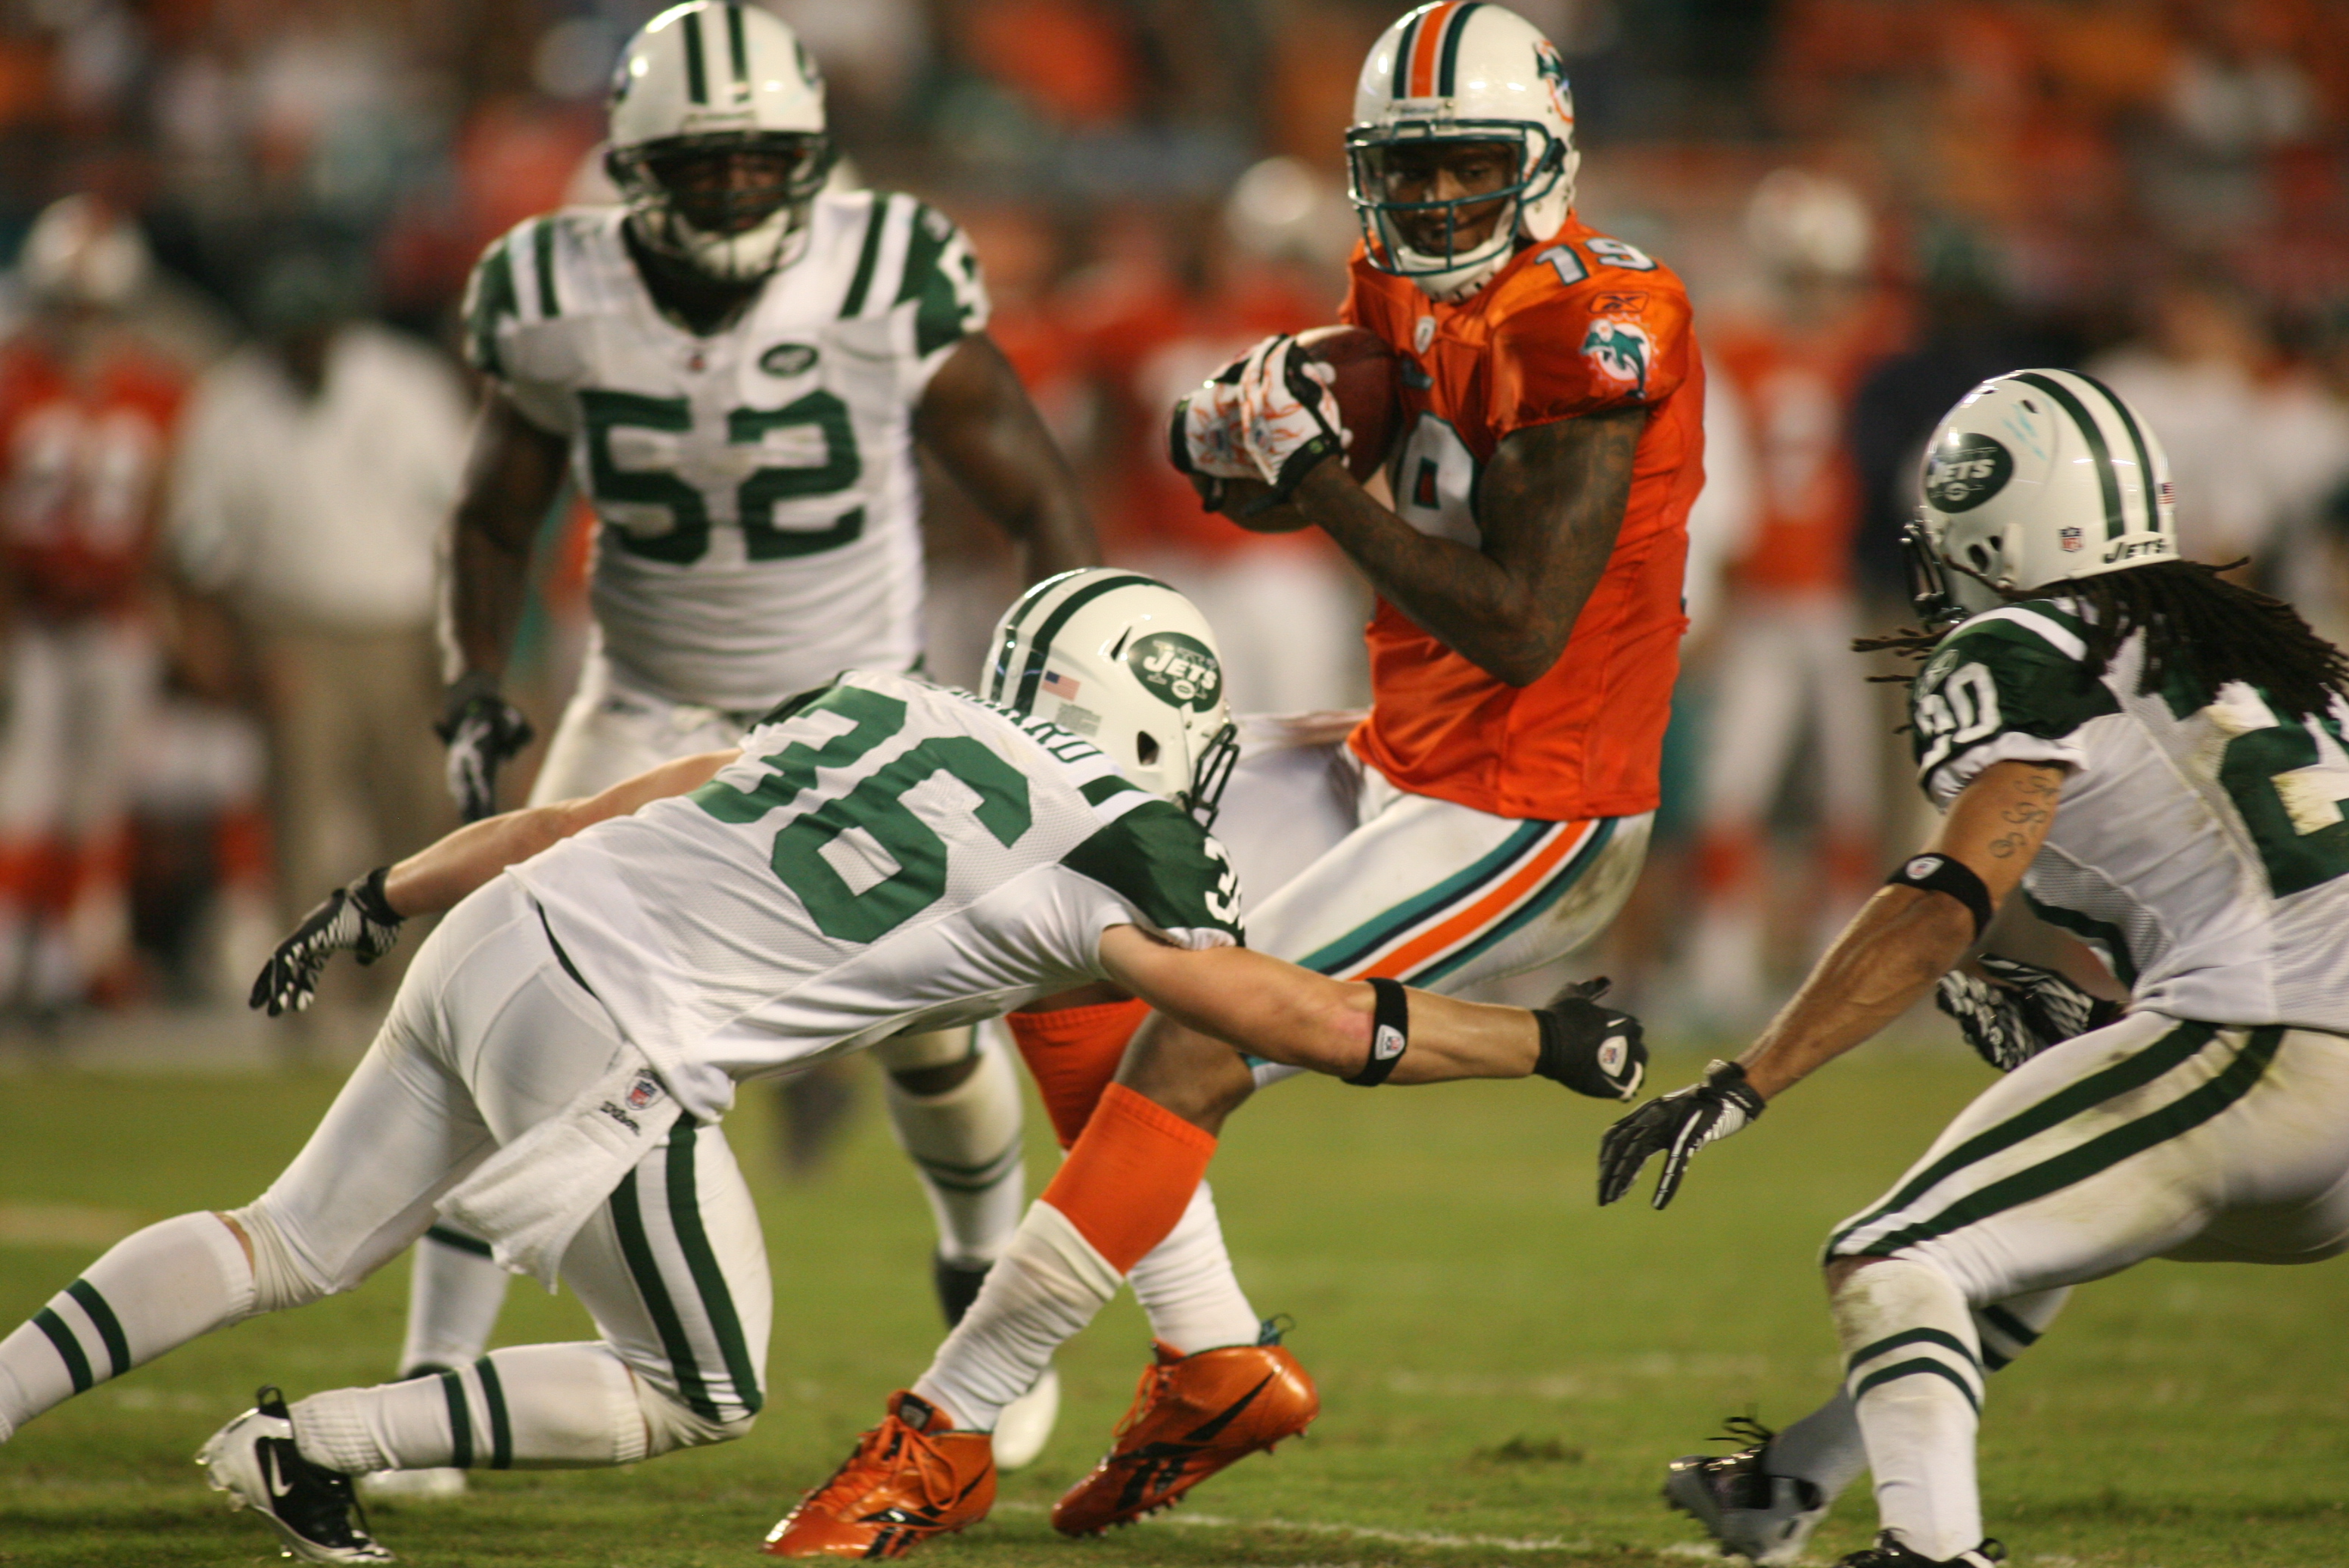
point(1978, 556)
point(1145, 746)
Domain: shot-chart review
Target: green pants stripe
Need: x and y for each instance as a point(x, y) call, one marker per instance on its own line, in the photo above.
point(716, 1301)
point(628, 1218)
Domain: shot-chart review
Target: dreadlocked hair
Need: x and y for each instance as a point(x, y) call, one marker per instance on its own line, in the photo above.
point(2202, 632)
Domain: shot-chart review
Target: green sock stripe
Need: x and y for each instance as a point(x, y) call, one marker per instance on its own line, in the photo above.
point(979, 1178)
point(2097, 1155)
point(493, 1395)
point(459, 1240)
point(716, 1301)
point(1911, 1336)
point(69, 1347)
point(1922, 1364)
point(460, 1420)
point(2006, 1323)
point(109, 1327)
point(1992, 1360)
point(628, 1219)
point(2136, 1072)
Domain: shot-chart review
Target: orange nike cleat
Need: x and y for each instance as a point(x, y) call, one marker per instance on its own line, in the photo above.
point(1192, 1416)
point(910, 1478)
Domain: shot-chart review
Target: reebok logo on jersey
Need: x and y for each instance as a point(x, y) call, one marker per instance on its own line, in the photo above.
point(1422, 332)
point(644, 1091)
point(1385, 1041)
point(1620, 350)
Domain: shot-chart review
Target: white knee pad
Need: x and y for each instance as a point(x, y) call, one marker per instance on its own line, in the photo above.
point(669, 1425)
point(280, 1279)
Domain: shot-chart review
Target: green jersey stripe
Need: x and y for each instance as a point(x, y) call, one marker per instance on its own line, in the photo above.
point(702, 1258)
point(2137, 442)
point(2136, 1072)
point(460, 1420)
point(2114, 942)
point(628, 1219)
point(109, 1327)
point(697, 76)
point(1032, 674)
point(493, 296)
point(2100, 1154)
point(1449, 66)
point(541, 247)
point(69, 1347)
point(923, 248)
point(459, 1240)
point(1108, 786)
point(2115, 524)
point(1859, 1357)
point(866, 260)
point(1923, 1364)
point(737, 51)
point(493, 1395)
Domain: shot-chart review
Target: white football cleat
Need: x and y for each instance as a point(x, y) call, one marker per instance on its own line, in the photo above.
point(253, 1459)
point(437, 1485)
point(1026, 1424)
point(1749, 1511)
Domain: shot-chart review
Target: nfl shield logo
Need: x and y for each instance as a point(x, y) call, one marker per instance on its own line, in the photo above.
point(2071, 540)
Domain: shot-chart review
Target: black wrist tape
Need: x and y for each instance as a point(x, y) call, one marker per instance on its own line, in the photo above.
point(1389, 1033)
point(1939, 873)
point(367, 894)
point(1729, 1079)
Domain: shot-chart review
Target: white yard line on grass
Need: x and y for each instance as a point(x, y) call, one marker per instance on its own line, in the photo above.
point(1352, 1532)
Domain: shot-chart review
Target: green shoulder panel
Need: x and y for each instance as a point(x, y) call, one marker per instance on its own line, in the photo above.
point(490, 299)
point(2004, 677)
point(941, 277)
point(1164, 864)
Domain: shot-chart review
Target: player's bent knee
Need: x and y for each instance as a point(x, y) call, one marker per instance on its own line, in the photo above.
point(280, 1278)
point(671, 1426)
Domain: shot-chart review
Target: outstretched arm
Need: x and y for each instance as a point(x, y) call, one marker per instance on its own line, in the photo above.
point(975, 418)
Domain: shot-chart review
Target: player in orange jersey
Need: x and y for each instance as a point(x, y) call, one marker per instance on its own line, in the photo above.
point(86, 414)
point(1491, 814)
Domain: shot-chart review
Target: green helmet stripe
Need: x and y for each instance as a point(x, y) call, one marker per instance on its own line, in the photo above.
point(2137, 438)
point(738, 48)
point(2115, 524)
point(997, 674)
point(1447, 67)
point(1402, 56)
point(697, 79)
point(1031, 674)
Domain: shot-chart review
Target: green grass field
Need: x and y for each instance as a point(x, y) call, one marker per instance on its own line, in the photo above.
point(1504, 1370)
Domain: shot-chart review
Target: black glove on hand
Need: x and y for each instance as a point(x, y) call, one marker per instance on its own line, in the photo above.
point(2020, 1011)
point(355, 919)
point(482, 729)
point(1590, 1050)
point(1675, 1126)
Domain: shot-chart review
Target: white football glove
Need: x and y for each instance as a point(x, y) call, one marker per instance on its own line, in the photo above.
point(1289, 418)
point(2019, 1011)
point(1206, 438)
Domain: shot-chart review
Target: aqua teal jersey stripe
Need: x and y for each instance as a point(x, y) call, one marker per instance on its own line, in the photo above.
point(2137, 440)
point(493, 1395)
point(2115, 524)
point(1544, 899)
point(868, 258)
point(702, 1258)
point(1892, 1342)
point(460, 1420)
point(738, 49)
point(109, 1327)
point(1449, 68)
point(1923, 1366)
point(69, 1347)
point(696, 77)
point(628, 1221)
point(2113, 1081)
point(1355, 945)
point(541, 244)
point(1403, 57)
point(2100, 1154)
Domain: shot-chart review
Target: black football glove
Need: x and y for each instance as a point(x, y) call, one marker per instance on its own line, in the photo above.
point(2020, 1011)
point(1676, 1126)
point(355, 919)
point(1590, 1050)
point(482, 730)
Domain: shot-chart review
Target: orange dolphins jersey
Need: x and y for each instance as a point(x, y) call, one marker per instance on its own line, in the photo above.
point(1580, 324)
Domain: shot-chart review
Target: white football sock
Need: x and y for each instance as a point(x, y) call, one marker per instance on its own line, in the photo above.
point(454, 1294)
point(1046, 1286)
point(1186, 1286)
point(531, 1406)
point(964, 1145)
point(152, 1291)
point(1913, 1369)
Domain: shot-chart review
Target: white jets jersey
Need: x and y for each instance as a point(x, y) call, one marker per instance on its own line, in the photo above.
point(885, 855)
point(757, 489)
point(2199, 847)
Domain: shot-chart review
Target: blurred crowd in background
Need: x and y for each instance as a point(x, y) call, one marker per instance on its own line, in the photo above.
point(232, 422)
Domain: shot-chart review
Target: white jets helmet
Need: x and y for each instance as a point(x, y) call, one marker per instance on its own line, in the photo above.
point(1460, 71)
point(700, 85)
point(2037, 477)
point(1129, 664)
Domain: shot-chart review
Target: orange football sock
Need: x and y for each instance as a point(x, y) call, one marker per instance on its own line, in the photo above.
point(1073, 1054)
point(1129, 1178)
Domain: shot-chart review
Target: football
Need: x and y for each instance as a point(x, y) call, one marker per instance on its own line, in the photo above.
point(1367, 402)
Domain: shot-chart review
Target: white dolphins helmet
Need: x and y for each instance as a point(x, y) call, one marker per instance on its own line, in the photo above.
point(1129, 664)
point(1461, 70)
point(1798, 221)
point(2037, 477)
point(705, 81)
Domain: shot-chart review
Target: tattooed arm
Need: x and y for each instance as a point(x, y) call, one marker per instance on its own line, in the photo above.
point(1905, 938)
point(1549, 505)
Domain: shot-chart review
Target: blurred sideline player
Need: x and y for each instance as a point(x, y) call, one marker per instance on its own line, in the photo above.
point(735, 366)
point(560, 1054)
point(1783, 660)
point(1489, 816)
point(87, 413)
point(2156, 757)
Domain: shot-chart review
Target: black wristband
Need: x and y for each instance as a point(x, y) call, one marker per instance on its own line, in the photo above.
point(1940, 873)
point(1728, 1078)
point(1389, 1033)
point(367, 894)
